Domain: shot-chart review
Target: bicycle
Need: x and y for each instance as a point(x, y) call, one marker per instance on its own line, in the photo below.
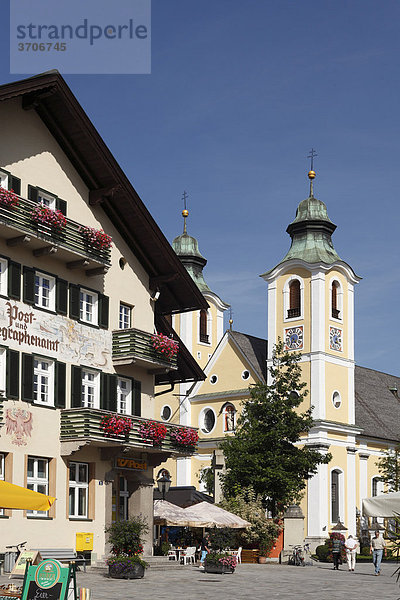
point(12, 556)
point(297, 558)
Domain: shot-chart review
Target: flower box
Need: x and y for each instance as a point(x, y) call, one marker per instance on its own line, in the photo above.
point(136, 571)
point(115, 426)
point(220, 569)
point(54, 219)
point(8, 198)
point(184, 438)
point(164, 345)
point(153, 431)
point(95, 238)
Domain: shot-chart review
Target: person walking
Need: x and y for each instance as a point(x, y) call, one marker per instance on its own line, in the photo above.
point(204, 549)
point(351, 551)
point(337, 545)
point(378, 547)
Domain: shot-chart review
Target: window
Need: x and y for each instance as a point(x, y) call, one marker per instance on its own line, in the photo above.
point(245, 374)
point(4, 180)
point(124, 316)
point(294, 299)
point(336, 300)
point(78, 490)
point(124, 396)
point(335, 496)
point(46, 199)
point(207, 420)
point(45, 291)
point(88, 307)
point(37, 480)
point(203, 326)
point(123, 499)
point(336, 400)
point(2, 467)
point(43, 381)
point(166, 413)
point(213, 379)
point(90, 389)
point(3, 276)
point(229, 415)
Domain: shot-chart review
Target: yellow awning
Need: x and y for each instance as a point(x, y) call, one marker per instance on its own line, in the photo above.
point(15, 496)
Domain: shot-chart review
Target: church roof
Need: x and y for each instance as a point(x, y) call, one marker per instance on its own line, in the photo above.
point(255, 351)
point(377, 408)
point(187, 248)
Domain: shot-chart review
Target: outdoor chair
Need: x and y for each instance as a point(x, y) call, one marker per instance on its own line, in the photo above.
point(238, 554)
point(171, 554)
point(189, 555)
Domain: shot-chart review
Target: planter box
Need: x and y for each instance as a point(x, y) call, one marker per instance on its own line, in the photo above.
point(137, 572)
point(218, 569)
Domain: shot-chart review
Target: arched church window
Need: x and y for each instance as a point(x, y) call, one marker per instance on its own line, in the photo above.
point(203, 326)
point(335, 303)
point(229, 416)
point(294, 299)
point(335, 495)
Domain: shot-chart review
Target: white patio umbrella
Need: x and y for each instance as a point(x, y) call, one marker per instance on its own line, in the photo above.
point(384, 505)
point(218, 517)
point(166, 513)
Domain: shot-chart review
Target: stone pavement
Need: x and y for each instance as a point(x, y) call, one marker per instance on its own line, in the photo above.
point(252, 582)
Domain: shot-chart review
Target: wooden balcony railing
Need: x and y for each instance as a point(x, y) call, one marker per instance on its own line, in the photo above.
point(17, 227)
point(84, 424)
point(137, 345)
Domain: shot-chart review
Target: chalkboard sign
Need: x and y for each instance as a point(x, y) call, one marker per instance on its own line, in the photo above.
point(49, 581)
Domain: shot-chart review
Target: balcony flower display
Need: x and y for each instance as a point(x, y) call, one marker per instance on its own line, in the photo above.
point(114, 425)
point(165, 345)
point(96, 238)
point(8, 198)
point(44, 215)
point(151, 430)
point(184, 438)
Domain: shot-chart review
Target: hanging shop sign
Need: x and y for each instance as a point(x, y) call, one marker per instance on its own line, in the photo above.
point(130, 463)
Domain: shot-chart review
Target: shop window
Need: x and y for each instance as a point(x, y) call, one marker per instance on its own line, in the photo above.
point(207, 420)
point(78, 490)
point(43, 381)
point(45, 291)
point(90, 389)
point(124, 396)
point(229, 416)
point(124, 316)
point(203, 324)
point(37, 480)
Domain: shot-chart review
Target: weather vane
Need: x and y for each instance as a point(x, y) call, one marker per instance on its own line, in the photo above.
point(185, 212)
point(311, 172)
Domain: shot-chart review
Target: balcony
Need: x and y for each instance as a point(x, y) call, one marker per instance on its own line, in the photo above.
point(135, 346)
point(83, 425)
point(17, 228)
point(293, 312)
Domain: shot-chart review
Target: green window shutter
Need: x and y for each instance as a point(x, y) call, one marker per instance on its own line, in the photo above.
point(108, 392)
point(61, 296)
point(76, 386)
point(28, 290)
point(74, 301)
point(12, 374)
point(14, 184)
point(137, 398)
point(27, 377)
point(14, 280)
point(32, 193)
point(103, 311)
point(59, 384)
point(61, 205)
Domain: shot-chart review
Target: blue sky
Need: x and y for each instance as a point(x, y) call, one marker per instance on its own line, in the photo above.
point(239, 92)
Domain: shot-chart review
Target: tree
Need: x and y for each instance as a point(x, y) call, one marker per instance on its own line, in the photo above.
point(389, 469)
point(263, 453)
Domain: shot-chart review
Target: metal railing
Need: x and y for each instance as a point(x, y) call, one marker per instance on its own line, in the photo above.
point(70, 238)
point(84, 423)
point(138, 344)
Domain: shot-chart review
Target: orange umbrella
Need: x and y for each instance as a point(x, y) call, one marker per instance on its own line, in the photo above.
point(15, 496)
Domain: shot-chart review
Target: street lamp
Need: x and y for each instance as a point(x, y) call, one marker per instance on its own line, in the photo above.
point(163, 484)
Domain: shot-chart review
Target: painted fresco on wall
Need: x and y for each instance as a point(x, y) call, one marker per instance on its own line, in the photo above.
point(30, 330)
point(19, 424)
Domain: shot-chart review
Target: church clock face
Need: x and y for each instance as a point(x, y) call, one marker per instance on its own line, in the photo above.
point(335, 339)
point(294, 338)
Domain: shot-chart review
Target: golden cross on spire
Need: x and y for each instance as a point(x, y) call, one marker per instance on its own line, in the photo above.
point(311, 172)
point(185, 212)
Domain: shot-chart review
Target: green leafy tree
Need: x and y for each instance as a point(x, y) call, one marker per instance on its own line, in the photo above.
point(389, 469)
point(207, 477)
point(263, 453)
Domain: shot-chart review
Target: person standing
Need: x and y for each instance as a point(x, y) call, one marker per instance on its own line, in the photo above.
point(337, 545)
point(378, 547)
point(204, 550)
point(351, 551)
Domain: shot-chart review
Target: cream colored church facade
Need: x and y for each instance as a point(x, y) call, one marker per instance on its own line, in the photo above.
point(311, 307)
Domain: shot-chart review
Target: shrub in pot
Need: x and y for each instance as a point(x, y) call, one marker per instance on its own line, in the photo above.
point(219, 562)
point(126, 547)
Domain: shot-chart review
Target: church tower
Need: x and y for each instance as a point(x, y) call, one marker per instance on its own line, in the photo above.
point(311, 307)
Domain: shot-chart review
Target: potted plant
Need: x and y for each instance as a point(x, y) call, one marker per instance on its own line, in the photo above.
point(153, 431)
point(164, 345)
point(95, 239)
point(126, 548)
point(265, 545)
point(44, 215)
point(114, 426)
point(8, 198)
point(219, 562)
point(184, 438)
